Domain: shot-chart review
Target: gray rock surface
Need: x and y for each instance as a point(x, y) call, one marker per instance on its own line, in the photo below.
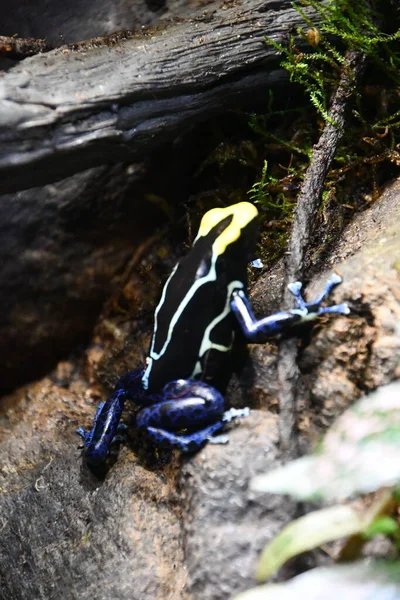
point(354, 356)
point(66, 534)
point(227, 525)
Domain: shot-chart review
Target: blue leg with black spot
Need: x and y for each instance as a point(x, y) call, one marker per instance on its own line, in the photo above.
point(188, 405)
point(184, 442)
point(258, 331)
point(106, 424)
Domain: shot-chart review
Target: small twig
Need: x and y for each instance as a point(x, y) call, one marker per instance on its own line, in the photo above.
point(304, 218)
point(18, 48)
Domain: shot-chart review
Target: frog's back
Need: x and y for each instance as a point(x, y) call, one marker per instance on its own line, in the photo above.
point(194, 327)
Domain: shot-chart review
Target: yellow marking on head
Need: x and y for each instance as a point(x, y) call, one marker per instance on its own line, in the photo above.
point(243, 213)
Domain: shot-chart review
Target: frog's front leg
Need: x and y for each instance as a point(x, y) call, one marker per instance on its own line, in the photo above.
point(98, 440)
point(186, 405)
point(258, 331)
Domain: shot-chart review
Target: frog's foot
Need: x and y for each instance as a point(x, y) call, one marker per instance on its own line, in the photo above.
point(185, 443)
point(235, 413)
point(310, 310)
point(84, 434)
point(219, 439)
point(87, 435)
point(227, 417)
point(194, 441)
point(105, 428)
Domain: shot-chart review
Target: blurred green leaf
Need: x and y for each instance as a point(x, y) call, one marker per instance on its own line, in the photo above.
point(383, 525)
point(306, 533)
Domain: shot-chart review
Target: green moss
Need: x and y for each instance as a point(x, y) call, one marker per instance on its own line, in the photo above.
point(344, 25)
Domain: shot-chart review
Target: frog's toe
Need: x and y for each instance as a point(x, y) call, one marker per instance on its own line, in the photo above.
point(189, 442)
point(341, 309)
point(83, 433)
point(219, 439)
point(235, 413)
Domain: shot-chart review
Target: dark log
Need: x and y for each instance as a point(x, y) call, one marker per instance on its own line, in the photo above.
point(17, 48)
point(84, 106)
point(69, 22)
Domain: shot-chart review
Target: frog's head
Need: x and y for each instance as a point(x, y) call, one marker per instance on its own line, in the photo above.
point(230, 231)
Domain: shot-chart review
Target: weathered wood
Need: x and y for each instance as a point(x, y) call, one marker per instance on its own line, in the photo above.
point(72, 109)
point(61, 22)
point(17, 48)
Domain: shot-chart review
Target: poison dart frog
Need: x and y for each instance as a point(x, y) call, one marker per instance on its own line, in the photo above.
point(203, 308)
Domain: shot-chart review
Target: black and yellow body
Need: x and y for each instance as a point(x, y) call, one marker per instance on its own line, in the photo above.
point(203, 307)
point(194, 327)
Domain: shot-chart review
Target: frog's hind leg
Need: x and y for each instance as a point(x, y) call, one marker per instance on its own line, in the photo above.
point(97, 441)
point(189, 414)
point(106, 423)
point(184, 442)
point(194, 441)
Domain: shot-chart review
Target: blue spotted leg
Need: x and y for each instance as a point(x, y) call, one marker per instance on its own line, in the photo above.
point(187, 405)
point(257, 331)
point(106, 424)
point(183, 404)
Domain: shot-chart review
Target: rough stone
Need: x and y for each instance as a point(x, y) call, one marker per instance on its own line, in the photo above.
point(70, 534)
point(227, 525)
